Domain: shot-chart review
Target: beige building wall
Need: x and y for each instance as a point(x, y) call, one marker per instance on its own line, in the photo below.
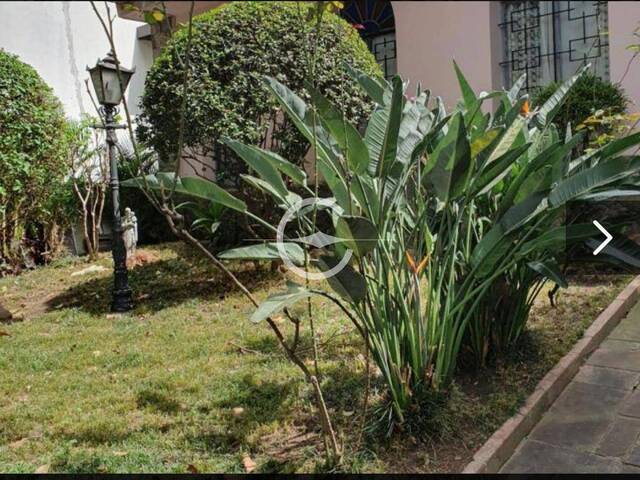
point(429, 35)
point(624, 18)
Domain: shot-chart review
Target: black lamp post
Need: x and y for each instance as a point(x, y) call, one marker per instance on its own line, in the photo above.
point(109, 88)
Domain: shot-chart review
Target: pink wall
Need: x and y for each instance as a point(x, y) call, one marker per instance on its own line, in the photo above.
point(430, 34)
point(624, 18)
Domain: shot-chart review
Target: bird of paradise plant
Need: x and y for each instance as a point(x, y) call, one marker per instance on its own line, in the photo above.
point(473, 195)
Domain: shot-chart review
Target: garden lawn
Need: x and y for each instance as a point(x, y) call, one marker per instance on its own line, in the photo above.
point(186, 383)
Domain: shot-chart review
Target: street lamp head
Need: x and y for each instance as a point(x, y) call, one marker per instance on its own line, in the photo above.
point(106, 84)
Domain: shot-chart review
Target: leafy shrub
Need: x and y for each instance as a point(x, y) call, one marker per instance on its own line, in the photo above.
point(33, 202)
point(442, 214)
point(589, 95)
point(232, 48)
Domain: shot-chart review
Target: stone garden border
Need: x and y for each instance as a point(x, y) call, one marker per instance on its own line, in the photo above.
point(501, 445)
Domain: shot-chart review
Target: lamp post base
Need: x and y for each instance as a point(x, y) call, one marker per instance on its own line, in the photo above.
point(121, 300)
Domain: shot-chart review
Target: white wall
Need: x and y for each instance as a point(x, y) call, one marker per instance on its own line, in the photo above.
point(59, 39)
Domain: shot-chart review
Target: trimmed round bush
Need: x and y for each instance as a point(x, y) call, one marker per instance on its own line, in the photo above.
point(589, 94)
point(33, 162)
point(233, 47)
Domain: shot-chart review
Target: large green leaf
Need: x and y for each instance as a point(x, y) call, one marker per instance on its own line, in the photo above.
point(276, 303)
point(611, 194)
point(512, 95)
point(523, 211)
point(497, 170)
point(201, 188)
point(343, 132)
point(508, 138)
point(302, 118)
point(451, 161)
point(265, 251)
point(468, 95)
point(551, 107)
point(382, 132)
point(538, 181)
point(483, 141)
point(494, 243)
point(347, 283)
point(374, 87)
point(612, 148)
point(551, 156)
point(549, 270)
point(139, 182)
point(587, 180)
point(620, 251)
point(292, 104)
point(358, 234)
point(489, 250)
point(559, 238)
point(257, 159)
point(335, 182)
point(429, 139)
point(619, 145)
point(284, 201)
point(327, 162)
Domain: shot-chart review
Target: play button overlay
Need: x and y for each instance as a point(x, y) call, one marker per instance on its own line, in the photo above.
point(606, 234)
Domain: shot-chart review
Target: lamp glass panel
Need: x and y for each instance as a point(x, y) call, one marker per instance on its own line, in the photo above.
point(96, 80)
point(111, 87)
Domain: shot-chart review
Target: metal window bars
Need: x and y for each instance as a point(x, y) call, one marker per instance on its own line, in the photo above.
point(550, 40)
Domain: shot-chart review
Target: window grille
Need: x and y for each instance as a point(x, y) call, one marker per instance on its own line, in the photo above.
point(550, 41)
point(376, 24)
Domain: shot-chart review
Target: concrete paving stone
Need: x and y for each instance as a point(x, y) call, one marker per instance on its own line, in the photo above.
point(589, 399)
point(629, 469)
point(610, 377)
point(580, 417)
point(631, 407)
point(634, 457)
point(620, 345)
point(582, 432)
point(594, 424)
point(617, 354)
point(540, 457)
point(620, 438)
point(628, 329)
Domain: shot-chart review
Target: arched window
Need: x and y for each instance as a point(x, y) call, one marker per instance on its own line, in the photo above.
point(375, 21)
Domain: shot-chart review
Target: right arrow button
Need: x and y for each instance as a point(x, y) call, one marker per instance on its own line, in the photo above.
point(606, 234)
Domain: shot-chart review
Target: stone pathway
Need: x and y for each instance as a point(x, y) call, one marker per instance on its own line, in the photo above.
point(594, 425)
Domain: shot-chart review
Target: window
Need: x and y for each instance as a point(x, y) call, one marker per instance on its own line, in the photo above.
point(375, 21)
point(550, 41)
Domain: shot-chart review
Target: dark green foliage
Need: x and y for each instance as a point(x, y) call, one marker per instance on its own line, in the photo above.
point(233, 47)
point(589, 94)
point(33, 160)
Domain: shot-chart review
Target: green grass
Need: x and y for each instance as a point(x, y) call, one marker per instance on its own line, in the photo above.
point(155, 390)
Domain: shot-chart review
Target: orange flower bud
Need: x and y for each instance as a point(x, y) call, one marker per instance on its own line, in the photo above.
point(411, 262)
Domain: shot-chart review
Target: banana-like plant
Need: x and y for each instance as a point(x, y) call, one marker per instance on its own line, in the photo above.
point(430, 209)
point(547, 169)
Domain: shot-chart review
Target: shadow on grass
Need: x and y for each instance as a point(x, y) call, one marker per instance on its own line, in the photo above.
point(261, 403)
point(159, 285)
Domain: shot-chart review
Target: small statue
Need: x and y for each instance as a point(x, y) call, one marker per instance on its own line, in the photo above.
point(130, 232)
